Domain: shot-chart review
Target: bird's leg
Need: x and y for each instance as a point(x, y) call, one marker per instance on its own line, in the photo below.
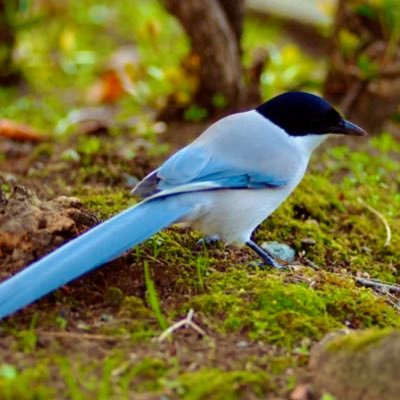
point(267, 258)
point(207, 240)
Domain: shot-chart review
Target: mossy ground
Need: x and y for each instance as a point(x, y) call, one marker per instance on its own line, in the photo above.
point(358, 341)
point(97, 337)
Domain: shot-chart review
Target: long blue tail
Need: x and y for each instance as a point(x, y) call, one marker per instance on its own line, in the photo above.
point(90, 250)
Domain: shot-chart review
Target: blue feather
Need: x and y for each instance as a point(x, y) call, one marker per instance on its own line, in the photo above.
point(195, 164)
point(90, 250)
point(234, 180)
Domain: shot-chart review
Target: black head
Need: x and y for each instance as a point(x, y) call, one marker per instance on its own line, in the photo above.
point(300, 114)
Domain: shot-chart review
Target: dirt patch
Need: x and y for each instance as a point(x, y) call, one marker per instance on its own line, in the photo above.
point(30, 227)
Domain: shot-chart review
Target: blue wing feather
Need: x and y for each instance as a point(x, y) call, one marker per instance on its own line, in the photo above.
point(223, 157)
point(193, 165)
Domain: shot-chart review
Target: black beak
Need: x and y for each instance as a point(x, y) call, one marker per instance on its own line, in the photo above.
point(348, 128)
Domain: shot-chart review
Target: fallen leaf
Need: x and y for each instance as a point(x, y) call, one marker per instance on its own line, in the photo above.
point(20, 132)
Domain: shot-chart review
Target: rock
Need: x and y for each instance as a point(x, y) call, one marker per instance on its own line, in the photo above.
point(357, 365)
point(280, 251)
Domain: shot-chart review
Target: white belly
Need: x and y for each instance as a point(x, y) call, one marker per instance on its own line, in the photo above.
point(233, 214)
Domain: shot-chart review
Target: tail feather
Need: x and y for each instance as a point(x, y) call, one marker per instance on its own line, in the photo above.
point(90, 250)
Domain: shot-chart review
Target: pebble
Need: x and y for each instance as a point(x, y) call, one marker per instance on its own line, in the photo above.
point(242, 344)
point(308, 242)
point(280, 250)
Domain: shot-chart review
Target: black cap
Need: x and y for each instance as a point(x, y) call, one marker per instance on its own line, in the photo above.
point(300, 114)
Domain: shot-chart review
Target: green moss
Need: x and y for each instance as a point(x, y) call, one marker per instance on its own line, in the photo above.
point(112, 378)
point(133, 319)
point(215, 384)
point(27, 340)
point(106, 202)
point(355, 306)
point(114, 296)
point(266, 307)
point(133, 307)
point(25, 384)
point(356, 341)
point(43, 151)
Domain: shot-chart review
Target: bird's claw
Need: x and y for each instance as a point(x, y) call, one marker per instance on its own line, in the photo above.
point(264, 265)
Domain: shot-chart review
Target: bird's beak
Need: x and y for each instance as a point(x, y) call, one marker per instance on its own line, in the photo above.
point(348, 128)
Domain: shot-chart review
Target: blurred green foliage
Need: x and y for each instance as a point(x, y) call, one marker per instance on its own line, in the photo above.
point(63, 49)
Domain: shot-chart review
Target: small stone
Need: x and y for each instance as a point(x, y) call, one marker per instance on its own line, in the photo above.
point(106, 317)
point(308, 242)
point(363, 274)
point(280, 251)
point(83, 326)
point(242, 344)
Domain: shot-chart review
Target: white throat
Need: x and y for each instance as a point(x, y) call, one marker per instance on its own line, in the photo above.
point(310, 142)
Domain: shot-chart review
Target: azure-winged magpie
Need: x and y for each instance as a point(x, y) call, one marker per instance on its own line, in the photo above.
point(225, 183)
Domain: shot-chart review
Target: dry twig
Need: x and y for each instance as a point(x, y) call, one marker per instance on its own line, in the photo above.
point(311, 264)
point(381, 286)
point(382, 218)
point(187, 322)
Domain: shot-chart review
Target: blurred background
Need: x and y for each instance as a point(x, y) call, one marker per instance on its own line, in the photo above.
point(108, 61)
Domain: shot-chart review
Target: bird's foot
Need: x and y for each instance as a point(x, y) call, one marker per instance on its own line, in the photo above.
point(267, 259)
point(265, 265)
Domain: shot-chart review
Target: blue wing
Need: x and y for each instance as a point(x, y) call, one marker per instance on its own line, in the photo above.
point(240, 151)
point(195, 164)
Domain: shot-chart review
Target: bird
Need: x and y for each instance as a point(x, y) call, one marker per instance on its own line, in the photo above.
point(224, 184)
